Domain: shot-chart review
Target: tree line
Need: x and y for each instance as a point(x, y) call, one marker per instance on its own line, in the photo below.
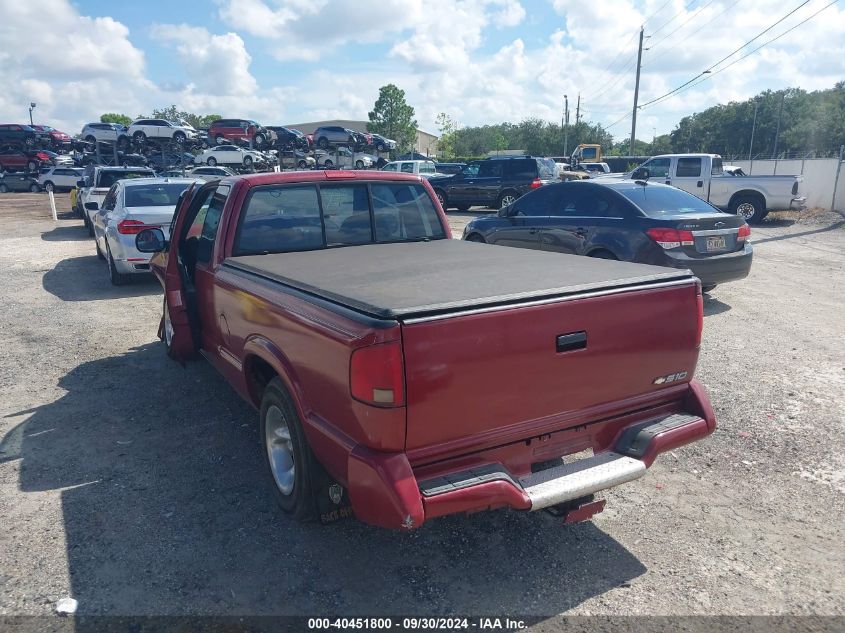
point(810, 123)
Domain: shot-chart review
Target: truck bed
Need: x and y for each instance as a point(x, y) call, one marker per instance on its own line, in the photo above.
point(412, 280)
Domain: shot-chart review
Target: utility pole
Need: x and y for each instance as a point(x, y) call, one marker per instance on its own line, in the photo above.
point(565, 123)
point(753, 127)
point(636, 92)
point(777, 129)
point(578, 110)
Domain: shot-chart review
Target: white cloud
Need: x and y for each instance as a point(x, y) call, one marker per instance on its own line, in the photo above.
point(439, 53)
point(216, 64)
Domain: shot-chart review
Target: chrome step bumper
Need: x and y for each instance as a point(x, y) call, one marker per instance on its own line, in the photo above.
point(579, 479)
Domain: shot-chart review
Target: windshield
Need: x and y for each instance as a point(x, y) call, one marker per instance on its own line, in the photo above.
point(161, 195)
point(659, 201)
point(108, 178)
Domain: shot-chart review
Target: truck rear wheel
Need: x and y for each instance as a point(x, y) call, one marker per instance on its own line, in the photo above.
point(750, 208)
point(290, 463)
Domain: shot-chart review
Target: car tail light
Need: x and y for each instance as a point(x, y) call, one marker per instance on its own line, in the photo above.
point(376, 375)
point(131, 227)
point(744, 233)
point(536, 183)
point(699, 300)
point(671, 238)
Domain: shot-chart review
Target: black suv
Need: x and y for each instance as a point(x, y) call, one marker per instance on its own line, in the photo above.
point(19, 135)
point(287, 138)
point(494, 182)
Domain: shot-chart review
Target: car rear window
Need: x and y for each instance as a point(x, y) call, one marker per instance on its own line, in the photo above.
point(163, 195)
point(286, 218)
point(660, 201)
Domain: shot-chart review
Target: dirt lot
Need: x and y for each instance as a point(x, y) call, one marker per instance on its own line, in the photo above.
point(134, 485)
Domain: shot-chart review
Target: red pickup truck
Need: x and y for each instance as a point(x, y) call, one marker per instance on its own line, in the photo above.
point(402, 375)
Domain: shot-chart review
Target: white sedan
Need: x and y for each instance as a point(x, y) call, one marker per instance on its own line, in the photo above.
point(129, 207)
point(229, 155)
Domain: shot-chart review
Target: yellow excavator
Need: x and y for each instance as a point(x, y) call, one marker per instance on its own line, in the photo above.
point(584, 153)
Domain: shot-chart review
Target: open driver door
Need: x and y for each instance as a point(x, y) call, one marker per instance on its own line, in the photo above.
point(180, 323)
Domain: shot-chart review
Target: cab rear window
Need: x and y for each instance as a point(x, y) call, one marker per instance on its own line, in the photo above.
point(286, 218)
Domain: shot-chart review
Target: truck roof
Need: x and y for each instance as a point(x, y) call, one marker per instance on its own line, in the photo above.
point(417, 279)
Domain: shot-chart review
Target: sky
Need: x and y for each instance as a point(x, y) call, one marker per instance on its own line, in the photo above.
point(479, 61)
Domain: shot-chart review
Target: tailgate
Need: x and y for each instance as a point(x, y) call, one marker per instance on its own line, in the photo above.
point(476, 374)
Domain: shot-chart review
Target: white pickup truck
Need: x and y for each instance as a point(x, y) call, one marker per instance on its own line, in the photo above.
point(703, 175)
point(96, 184)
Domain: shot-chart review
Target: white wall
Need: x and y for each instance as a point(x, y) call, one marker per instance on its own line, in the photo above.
point(819, 178)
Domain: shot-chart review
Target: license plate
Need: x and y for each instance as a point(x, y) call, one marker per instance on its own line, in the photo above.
point(715, 242)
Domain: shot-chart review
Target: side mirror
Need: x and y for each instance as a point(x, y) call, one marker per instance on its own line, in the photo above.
point(150, 241)
point(640, 173)
point(92, 206)
point(80, 184)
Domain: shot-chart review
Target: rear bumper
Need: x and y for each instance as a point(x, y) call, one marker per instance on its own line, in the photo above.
point(385, 490)
point(716, 269)
point(799, 204)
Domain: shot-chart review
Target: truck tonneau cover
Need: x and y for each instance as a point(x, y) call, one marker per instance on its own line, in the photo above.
point(417, 279)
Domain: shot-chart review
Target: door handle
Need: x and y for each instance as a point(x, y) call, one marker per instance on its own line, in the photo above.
point(580, 231)
point(700, 183)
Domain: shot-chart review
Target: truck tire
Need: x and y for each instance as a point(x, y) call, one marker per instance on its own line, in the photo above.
point(290, 463)
point(441, 197)
point(750, 208)
point(475, 237)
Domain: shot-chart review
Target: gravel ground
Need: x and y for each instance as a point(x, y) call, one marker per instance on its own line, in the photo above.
point(134, 485)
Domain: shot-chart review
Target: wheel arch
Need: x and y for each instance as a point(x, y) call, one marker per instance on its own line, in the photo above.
point(747, 193)
point(263, 361)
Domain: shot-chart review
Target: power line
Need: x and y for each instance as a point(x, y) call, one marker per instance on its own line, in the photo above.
point(695, 32)
point(707, 70)
point(682, 25)
point(656, 12)
point(705, 77)
point(612, 83)
point(672, 19)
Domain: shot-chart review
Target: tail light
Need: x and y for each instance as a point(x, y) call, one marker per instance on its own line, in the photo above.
point(536, 183)
point(671, 238)
point(699, 300)
point(744, 233)
point(132, 227)
point(376, 375)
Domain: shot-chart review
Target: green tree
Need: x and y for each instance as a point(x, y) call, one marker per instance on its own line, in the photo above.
point(112, 117)
point(446, 143)
point(393, 117)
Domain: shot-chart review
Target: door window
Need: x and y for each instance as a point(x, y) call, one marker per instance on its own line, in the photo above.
point(111, 199)
point(542, 202)
point(211, 223)
point(390, 167)
point(583, 203)
point(688, 168)
point(408, 168)
point(658, 167)
point(280, 219)
point(490, 169)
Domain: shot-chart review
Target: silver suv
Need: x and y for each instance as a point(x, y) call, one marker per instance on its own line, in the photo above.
point(109, 132)
point(333, 135)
